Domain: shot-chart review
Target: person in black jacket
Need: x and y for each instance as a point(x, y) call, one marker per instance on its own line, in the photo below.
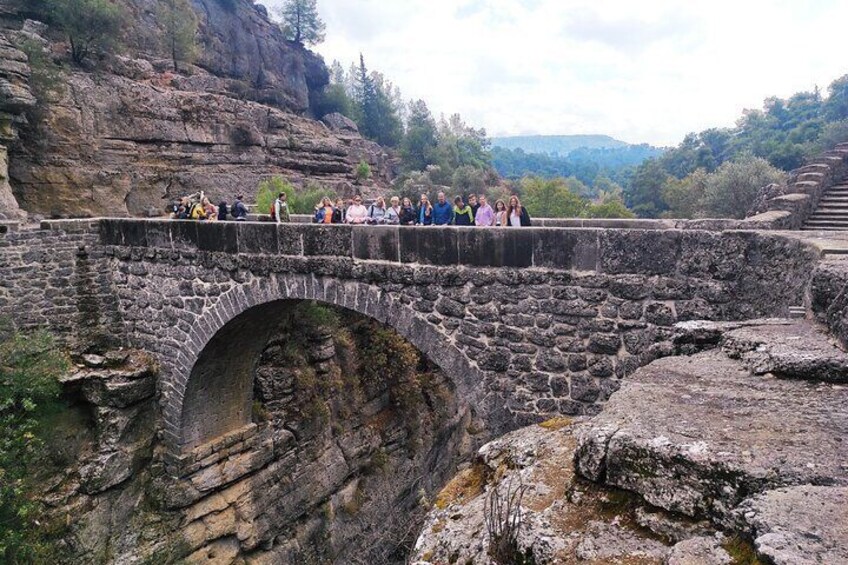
point(339, 212)
point(516, 214)
point(462, 213)
point(472, 202)
point(407, 213)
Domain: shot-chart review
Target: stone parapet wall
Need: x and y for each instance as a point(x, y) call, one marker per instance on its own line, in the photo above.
point(710, 224)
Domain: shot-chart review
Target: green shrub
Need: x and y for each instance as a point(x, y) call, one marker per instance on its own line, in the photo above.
point(267, 192)
point(317, 316)
point(363, 171)
point(300, 202)
point(29, 392)
point(46, 79)
point(731, 190)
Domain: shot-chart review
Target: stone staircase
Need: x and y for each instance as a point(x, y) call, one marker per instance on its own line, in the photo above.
point(832, 212)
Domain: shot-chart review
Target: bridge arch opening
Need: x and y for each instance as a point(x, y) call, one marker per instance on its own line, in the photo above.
point(218, 396)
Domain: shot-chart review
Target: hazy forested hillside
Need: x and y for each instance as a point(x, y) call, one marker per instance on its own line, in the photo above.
point(560, 145)
point(586, 164)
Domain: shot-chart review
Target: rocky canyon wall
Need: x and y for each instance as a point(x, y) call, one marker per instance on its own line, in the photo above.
point(353, 432)
point(126, 134)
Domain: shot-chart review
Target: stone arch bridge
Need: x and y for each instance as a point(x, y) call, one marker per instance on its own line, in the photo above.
point(528, 323)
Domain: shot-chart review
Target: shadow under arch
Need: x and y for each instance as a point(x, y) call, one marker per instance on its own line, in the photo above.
point(212, 393)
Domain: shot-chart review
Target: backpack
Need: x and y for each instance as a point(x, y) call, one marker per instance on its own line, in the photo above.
point(273, 212)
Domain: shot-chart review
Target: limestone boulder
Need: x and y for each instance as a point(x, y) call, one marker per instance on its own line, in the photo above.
point(697, 435)
point(340, 123)
point(801, 525)
point(564, 519)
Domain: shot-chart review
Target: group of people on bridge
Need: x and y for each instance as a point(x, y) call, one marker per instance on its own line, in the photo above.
point(198, 207)
point(476, 212)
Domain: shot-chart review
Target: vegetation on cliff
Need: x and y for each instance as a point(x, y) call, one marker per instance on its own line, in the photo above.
point(180, 23)
point(90, 25)
point(779, 137)
point(29, 392)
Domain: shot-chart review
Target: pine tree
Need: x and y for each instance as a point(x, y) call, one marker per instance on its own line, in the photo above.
point(301, 22)
point(91, 25)
point(419, 144)
point(380, 119)
point(180, 24)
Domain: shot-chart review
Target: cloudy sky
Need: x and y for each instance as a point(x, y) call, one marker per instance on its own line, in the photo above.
point(640, 70)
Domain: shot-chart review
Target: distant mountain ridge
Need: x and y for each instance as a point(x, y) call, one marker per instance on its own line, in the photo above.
point(560, 145)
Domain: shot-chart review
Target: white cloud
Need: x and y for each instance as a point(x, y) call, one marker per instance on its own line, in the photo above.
point(647, 71)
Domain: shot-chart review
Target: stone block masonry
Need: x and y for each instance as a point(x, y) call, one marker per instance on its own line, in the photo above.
point(58, 278)
point(528, 323)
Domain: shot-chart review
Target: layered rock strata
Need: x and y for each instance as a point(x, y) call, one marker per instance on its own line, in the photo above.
point(343, 452)
point(16, 99)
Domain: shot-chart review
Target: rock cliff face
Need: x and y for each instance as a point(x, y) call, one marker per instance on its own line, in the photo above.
point(130, 135)
point(349, 440)
point(240, 46)
point(15, 99)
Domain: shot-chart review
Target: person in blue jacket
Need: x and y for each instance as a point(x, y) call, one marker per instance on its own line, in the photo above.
point(442, 212)
point(424, 212)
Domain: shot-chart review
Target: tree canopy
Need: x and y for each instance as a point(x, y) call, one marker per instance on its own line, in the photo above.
point(180, 26)
point(301, 22)
point(714, 172)
point(91, 25)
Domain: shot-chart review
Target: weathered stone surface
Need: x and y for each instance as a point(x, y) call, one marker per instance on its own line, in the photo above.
point(828, 297)
point(564, 519)
point(109, 129)
point(340, 123)
point(797, 351)
point(698, 434)
point(699, 551)
point(802, 525)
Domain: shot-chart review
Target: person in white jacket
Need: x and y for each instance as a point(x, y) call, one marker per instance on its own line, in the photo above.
point(357, 213)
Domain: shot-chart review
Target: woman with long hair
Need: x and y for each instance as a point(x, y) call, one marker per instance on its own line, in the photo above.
point(324, 212)
point(516, 214)
point(377, 211)
point(424, 212)
point(407, 213)
point(210, 209)
point(500, 214)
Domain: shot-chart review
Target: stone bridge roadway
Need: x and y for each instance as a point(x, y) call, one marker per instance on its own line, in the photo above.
point(528, 322)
